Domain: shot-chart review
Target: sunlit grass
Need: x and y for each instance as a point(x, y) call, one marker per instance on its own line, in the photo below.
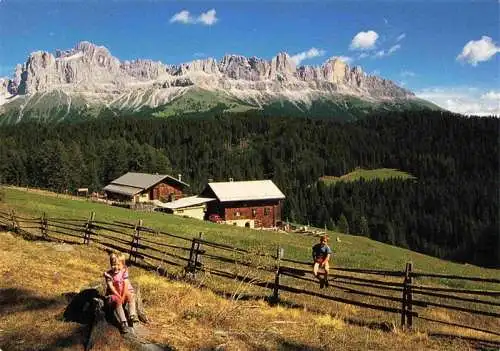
point(349, 250)
point(367, 175)
point(182, 316)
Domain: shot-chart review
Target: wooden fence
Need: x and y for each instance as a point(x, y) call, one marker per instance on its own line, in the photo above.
point(390, 291)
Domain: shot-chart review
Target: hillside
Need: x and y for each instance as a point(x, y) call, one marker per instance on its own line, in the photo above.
point(352, 251)
point(450, 212)
point(216, 320)
point(367, 175)
point(194, 319)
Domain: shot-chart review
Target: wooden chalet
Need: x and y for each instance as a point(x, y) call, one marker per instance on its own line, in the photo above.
point(144, 187)
point(253, 204)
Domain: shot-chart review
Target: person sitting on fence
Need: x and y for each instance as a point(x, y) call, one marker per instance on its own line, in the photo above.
point(321, 255)
point(119, 291)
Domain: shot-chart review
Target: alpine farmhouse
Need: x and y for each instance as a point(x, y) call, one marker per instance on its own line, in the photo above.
point(144, 187)
point(252, 204)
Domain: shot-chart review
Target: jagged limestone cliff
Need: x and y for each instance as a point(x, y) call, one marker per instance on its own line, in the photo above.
point(89, 77)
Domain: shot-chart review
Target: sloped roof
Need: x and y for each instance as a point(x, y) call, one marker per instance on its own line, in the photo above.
point(246, 190)
point(185, 202)
point(122, 189)
point(143, 180)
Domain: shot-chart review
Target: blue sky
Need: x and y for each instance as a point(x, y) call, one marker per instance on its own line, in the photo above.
point(446, 51)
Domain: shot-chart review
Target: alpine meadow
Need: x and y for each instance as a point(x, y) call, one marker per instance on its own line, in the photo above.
point(212, 146)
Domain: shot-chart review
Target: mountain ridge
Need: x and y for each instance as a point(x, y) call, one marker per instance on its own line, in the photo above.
point(96, 78)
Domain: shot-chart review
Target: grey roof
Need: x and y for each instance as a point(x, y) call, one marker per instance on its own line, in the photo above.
point(122, 189)
point(143, 180)
point(246, 190)
point(185, 202)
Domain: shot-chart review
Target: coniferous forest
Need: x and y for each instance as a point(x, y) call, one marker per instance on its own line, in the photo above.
point(451, 209)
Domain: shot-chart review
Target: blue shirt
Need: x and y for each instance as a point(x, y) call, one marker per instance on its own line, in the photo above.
point(321, 251)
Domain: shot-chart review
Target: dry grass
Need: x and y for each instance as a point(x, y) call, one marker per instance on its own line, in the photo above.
point(35, 275)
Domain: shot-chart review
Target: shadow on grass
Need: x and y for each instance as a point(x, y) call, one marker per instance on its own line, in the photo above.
point(14, 300)
point(479, 344)
point(25, 339)
point(279, 344)
point(382, 326)
point(286, 345)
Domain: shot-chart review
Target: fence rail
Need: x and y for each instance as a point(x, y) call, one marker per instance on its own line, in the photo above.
point(200, 255)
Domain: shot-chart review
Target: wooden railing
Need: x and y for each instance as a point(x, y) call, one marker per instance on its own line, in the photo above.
point(391, 291)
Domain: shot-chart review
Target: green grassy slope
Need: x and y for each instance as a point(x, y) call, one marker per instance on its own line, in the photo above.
point(200, 100)
point(352, 251)
point(51, 107)
point(56, 106)
point(367, 174)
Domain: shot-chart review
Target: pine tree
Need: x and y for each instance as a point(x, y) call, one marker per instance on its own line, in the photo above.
point(343, 224)
point(364, 229)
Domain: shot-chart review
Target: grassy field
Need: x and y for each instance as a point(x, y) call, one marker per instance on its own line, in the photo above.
point(350, 251)
point(183, 317)
point(200, 100)
point(367, 174)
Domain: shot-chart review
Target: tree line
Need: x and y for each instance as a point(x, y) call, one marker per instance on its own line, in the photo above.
point(450, 210)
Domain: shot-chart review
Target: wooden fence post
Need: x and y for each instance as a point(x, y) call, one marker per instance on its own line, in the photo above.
point(409, 316)
point(276, 292)
point(88, 229)
point(15, 224)
point(134, 246)
point(405, 296)
point(193, 258)
point(44, 225)
point(198, 255)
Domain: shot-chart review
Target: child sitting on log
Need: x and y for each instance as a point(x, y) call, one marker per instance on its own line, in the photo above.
point(119, 291)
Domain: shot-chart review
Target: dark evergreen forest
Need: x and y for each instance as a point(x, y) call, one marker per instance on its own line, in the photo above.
point(450, 211)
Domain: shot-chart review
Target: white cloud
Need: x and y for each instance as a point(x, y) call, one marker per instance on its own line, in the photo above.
point(476, 51)
point(312, 52)
point(492, 95)
point(407, 74)
point(383, 53)
point(206, 18)
point(467, 101)
point(363, 55)
point(375, 72)
point(345, 59)
point(182, 17)
point(364, 40)
point(393, 49)
point(199, 54)
point(401, 37)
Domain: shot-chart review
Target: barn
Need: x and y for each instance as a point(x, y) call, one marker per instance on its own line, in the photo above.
point(253, 204)
point(144, 187)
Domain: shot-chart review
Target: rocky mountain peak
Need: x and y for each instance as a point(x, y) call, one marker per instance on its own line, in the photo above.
point(91, 69)
point(282, 66)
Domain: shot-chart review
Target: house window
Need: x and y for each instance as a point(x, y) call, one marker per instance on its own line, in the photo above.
point(266, 211)
point(254, 212)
